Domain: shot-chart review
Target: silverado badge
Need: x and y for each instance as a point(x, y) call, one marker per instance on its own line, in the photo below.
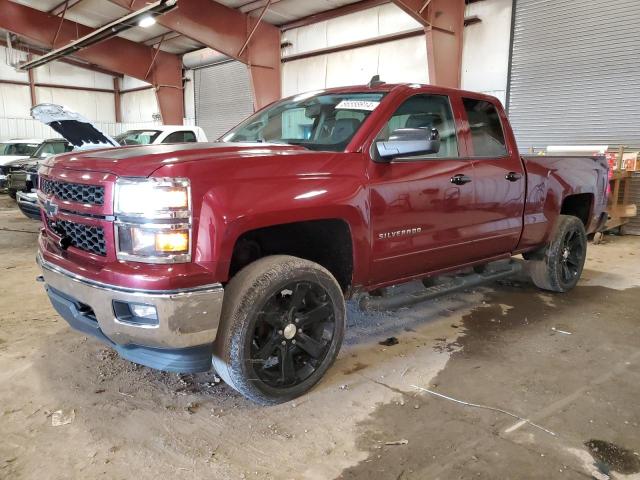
point(399, 233)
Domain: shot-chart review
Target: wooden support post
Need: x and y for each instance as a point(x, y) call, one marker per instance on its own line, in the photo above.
point(32, 85)
point(116, 99)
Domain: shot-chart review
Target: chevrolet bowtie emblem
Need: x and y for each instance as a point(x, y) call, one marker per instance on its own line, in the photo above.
point(50, 208)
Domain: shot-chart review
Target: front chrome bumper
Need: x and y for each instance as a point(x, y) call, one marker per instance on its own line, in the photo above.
point(28, 204)
point(187, 318)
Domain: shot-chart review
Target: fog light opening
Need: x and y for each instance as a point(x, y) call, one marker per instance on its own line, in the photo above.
point(137, 314)
point(148, 312)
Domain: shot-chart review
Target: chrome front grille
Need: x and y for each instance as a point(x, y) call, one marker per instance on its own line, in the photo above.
point(84, 237)
point(73, 192)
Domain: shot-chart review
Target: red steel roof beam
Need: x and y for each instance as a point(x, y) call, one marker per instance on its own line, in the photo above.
point(226, 30)
point(443, 22)
point(116, 54)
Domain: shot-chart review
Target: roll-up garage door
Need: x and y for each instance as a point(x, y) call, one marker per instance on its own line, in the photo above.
point(223, 97)
point(575, 73)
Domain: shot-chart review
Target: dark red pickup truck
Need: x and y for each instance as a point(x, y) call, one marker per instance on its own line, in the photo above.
point(244, 251)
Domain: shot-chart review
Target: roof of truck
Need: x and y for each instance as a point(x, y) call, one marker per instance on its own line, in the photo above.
point(166, 128)
point(388, 87)
point(23, 140)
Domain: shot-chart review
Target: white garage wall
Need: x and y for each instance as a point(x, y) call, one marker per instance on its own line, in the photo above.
point(96, 106)
point(485, 58)
point(58, 73)
point(15, 100)
point(7, 72)
point(398, 61)
point(139, 106)
point(485, 51)
point(357, 66)
point(364, 25)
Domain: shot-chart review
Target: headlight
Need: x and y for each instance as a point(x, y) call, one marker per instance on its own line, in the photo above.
point(153, 197)
point(153, 220)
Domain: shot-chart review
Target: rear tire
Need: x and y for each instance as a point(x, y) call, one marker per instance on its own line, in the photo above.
point(282, 325)
point(12, 193)
point(558, 267)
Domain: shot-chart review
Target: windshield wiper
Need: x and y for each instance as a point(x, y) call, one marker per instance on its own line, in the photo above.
point(295, 143)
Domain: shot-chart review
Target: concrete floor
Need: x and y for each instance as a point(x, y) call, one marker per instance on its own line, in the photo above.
point(495, 346)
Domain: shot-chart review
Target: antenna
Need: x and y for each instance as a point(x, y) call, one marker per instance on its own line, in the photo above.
point(375, 81)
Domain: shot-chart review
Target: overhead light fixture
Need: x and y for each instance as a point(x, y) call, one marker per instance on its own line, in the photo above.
point(143, 15)
point(146, 21)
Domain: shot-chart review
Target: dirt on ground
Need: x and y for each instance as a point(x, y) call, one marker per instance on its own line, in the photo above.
point(503, 381)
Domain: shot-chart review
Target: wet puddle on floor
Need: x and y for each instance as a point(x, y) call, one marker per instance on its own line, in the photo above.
point(356, 368)
point(442, 439)
point(614, 457)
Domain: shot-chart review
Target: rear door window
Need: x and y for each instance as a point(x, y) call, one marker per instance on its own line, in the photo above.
point(487, 135)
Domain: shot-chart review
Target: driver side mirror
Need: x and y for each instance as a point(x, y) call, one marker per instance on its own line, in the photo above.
point(405, 142)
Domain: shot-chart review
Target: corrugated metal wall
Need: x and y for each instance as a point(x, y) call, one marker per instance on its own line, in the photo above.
point(223, 97)
point(575, 75)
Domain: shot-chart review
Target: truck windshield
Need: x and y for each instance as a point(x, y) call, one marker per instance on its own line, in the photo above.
point(316, 121)
point(22, 149)
point(46, 149)
point(137, 137)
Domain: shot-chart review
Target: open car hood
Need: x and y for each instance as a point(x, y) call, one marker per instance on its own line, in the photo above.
point(72, 126)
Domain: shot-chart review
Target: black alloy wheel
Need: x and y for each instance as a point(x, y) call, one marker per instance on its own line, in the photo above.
point(559, 265)
point(282, 325)
point(572, 256)
point(292, 334)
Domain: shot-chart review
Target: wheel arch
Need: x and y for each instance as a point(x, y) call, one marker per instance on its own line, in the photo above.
point(578, 205)
point(328, 242)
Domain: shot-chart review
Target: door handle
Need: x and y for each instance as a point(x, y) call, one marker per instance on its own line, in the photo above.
point(460, 179)
point(513, 176)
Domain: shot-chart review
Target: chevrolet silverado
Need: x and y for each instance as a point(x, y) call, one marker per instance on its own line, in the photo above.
point(238, 255)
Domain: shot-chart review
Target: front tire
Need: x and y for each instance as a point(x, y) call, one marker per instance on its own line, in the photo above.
point(559, 266)
point(283, 321)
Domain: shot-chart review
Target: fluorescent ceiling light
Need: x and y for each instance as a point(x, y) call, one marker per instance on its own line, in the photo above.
point(105, 32)
point(147, 21)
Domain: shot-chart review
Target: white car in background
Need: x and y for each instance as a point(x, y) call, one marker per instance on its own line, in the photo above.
point(11, 150)
point(84, 135)
point(162, 134)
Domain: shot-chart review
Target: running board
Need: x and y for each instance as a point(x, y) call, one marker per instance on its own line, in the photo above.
point(392, 302)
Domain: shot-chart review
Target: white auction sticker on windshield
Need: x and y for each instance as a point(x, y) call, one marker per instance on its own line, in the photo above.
point(357, 105)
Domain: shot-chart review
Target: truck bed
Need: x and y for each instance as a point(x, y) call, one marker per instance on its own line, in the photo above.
point(553, 178)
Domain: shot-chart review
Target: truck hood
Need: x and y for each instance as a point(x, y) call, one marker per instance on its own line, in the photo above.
point(72, 126)
point(142, 161)
point(10, 159)
point(22, 162)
